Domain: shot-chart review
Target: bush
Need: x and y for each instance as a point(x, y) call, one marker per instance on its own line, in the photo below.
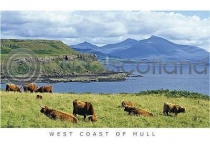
point(174, 93)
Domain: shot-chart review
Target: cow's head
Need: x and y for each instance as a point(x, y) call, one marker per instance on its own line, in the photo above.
point(129, 109)
point(181, 110)
point(18, 89)
point(38, 89)
point(93, 118)
point(123, 104)
point(128, 104)
point(43, 109)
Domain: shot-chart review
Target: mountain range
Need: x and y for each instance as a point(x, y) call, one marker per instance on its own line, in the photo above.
point(150, 49)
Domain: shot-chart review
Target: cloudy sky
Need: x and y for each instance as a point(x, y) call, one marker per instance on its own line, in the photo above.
point(105, 27)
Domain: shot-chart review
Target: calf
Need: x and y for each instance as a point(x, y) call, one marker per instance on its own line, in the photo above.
point(137, 111)
point(172, 108)
point(38, 97)
point(54, 114)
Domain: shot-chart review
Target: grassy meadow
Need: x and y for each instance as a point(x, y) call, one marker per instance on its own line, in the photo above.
point(21, 110)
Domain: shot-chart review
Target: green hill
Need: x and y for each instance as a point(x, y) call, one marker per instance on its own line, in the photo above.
point(40, 47)
point(55, 59)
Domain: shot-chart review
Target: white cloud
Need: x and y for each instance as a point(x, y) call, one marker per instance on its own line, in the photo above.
point(103, 27)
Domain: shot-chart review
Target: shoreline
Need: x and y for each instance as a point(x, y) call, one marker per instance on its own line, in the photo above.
point(98, 77)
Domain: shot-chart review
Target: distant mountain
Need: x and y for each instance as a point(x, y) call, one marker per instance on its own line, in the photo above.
point(85, 45)
point(110, 48)
point(100, 55)
point(157, 47)
point(103, 52)
point(151, 48)
point(89, 48)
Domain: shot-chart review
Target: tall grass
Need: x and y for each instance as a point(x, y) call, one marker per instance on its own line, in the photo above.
point(21, 110)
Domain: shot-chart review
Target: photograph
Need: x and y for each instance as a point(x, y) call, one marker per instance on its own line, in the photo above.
point(114, 69)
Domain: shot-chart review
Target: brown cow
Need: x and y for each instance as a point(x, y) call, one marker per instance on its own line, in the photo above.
point(172, 108)
point(128, 104)
point(12, 87)
point(44, 89)
point(137, 111)
point(54, 114)
point(38, 97)
point(84, 108)
point(32, 87)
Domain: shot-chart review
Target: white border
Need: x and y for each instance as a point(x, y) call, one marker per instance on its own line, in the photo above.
point(104, 5)
point(73, 135)
point(162, 135)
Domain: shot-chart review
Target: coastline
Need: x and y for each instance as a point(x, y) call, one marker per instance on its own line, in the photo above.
point(97, 77)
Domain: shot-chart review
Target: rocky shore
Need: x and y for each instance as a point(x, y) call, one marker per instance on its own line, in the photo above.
point(98, 77)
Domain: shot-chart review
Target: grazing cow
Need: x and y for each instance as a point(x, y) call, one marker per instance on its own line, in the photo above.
point(84, 108)
point(32, 87)
point(38, 97)
point(54, 114)
point(45, 89)
point(137, 111)
point(128, 104)
point(12, 87)
point(172, 108)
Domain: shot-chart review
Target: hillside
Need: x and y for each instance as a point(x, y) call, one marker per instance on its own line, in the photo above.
point(21, 110)
point(40, 47)
point(50, 59)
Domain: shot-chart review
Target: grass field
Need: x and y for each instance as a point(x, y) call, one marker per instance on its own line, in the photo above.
point(21, 110)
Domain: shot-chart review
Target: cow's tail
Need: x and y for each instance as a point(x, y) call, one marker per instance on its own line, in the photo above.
point(151, 114)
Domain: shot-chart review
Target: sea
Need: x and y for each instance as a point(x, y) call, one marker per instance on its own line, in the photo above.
point(148, 76)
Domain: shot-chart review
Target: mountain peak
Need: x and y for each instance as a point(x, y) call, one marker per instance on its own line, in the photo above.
point(129, 39)
point(85, 45)
point(155, 37)
point(85, 42)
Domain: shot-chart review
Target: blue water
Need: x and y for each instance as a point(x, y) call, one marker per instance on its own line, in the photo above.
point(191, 82)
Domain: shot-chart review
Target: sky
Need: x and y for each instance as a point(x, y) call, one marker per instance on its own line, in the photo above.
point(107, 27)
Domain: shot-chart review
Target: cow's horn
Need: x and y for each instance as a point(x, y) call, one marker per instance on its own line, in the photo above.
point(41, 106)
